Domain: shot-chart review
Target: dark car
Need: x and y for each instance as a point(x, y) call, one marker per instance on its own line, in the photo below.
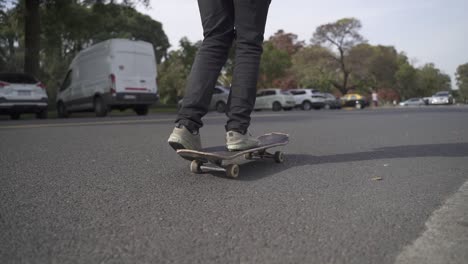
point(354, 100)
point(331, 102)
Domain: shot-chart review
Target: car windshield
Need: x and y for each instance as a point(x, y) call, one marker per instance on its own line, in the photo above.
point(17, 78)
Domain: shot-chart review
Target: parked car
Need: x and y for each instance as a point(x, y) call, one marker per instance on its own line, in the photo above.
point(22, 93)
point(331, 101)
point(443, 97)
point(274, 99)
point(307, 99)
point(218, 101)
point(114, 74)
point(413, 102)
point(354, 100)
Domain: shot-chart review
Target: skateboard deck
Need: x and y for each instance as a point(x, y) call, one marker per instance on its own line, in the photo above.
point(216, 155)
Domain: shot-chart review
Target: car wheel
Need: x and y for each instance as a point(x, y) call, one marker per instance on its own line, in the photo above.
point(15, 116)
point(141, 110)
point(42, 114)
point(276, 106)
point(221, 107)
point(306, 106)
point(358, 106)
point(100, 107)
point(62, 110)
point(327, 106)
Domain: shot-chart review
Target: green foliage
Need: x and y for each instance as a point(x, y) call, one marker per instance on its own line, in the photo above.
point(11, 56)
point(313, 68)
point(341, 36)
point(274, 65)
point(432, 80)
point(462, 81)
point(173, 72)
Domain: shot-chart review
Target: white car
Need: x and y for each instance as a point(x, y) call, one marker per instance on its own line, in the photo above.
point(22, 93)
point(439, 98)
point(307, 99)
point(274, 99)
point(218, 101)
point(114, 74)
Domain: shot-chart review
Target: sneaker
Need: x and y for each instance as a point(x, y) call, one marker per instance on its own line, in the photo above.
point(182, 138)
point(236, 141)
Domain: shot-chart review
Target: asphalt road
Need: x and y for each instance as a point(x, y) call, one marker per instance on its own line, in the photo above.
point(356, 187)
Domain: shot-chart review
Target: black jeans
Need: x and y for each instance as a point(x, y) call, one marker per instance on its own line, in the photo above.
point(223, 22)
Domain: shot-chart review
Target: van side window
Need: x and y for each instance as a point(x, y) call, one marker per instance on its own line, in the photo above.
point(66, 83)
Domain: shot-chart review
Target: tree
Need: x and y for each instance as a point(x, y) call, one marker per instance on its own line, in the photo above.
point(432, 80)
point(286, 42)
point(406, 79)
point(313, 68)
point(462, 81)
point(341, 35)
point(173, 72)
point(273, 66)
point(32, 28)
point(10, 56)
point(32, 32)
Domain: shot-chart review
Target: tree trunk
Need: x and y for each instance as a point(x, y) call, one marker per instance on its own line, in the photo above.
point(345, 82)
point(32, 31)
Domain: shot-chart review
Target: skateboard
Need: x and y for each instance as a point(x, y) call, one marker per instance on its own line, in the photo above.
point(218, 155)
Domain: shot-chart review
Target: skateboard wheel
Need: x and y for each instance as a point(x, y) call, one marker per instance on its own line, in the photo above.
point(232, 171)
point(279, 157)
point(195, 167)
point(248, 156)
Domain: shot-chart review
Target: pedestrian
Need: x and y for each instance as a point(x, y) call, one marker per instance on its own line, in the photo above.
point(223, 22)
point(375, 98)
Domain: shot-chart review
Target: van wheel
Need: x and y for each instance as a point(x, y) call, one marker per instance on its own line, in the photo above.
point(15, 116)
point(42, 114)
point(141, 110)
point(100, 107)
point(221, 107)
point(306, 106)
point(276, 107)
point(62, 110)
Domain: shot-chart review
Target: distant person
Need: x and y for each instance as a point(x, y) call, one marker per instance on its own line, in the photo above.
point(375, 98)
point(223, 22)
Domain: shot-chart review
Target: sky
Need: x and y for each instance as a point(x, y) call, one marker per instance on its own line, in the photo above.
point(427, 31)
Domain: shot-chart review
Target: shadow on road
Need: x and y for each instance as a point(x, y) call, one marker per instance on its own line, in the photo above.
point(257, 170)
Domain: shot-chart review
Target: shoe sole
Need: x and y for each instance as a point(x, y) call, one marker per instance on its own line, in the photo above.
point(176, 146)
point(240, 148)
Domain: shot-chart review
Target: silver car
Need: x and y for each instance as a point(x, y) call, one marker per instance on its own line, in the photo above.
point(439, 98)
point(218, 101)
point(22, 93)
point(413, 102)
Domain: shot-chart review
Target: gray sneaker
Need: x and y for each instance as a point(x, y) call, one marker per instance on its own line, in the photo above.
point(182, 138)
point(236, 141)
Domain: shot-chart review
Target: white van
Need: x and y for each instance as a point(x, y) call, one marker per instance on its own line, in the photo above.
point(114, 74)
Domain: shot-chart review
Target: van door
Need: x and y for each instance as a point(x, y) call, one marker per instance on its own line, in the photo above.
point(135, 71)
